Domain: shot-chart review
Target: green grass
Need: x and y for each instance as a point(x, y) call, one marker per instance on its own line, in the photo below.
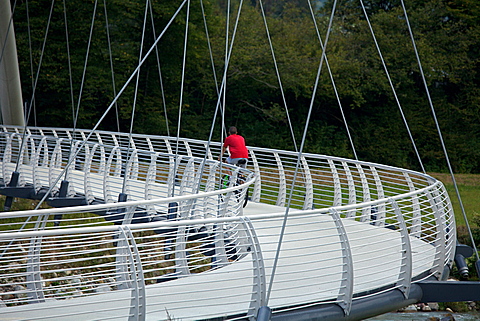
point(469, 189)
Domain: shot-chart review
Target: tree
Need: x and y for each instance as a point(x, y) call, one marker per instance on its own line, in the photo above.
point(446, 34)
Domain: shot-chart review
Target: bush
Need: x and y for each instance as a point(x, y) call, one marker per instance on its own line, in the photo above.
point(462, 231)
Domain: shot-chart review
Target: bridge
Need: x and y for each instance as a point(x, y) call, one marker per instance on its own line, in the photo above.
point(144, 227)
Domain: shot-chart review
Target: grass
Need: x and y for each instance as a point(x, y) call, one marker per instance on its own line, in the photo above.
point(469, 189)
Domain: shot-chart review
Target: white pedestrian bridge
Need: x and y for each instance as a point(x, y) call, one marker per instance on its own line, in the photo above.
point(148, 228)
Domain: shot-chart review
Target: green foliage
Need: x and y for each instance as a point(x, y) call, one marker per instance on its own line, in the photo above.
point(463, 235)
point(446, 34)
point(469, 189)
point(454, 306)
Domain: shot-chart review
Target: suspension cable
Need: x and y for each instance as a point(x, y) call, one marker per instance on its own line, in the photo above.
point(10, 22)
point(177, 143)
point(31, 102)
point(124, 184)
point(209, 46)
point(87, 54)
point(277, 72)
point(36, 80)
point(434, 114)
point(67, 40)
point(223, 90)
point(333, 83)
point(211, 54)
point(211, 58)
point(299, 157)
point(220, 97)
point(112, 104)
point(392, 87)
point(114, 85)
point(34, 105)
point(82, 83)
point(164, 101)
point(224, 84)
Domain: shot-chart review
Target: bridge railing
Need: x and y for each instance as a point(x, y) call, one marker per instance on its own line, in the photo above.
point(322, 181)
point(73, 173)
point(50, 265)
point(341, 211)
point(217, 266)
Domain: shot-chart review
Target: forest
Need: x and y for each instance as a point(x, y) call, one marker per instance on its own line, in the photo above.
point(67, 80)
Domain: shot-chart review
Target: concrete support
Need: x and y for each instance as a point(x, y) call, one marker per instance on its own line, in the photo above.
point(11, 103)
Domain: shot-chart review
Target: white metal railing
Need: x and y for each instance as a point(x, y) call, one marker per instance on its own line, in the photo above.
point(337, 181)
point(101, 172)
point(354, 228)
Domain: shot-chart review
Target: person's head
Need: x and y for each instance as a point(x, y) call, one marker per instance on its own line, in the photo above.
point(232, 130)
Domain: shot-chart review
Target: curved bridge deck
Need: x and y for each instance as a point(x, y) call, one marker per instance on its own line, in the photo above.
point(180, 246)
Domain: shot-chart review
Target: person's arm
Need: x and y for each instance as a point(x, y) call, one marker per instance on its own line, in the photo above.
point(224, 148)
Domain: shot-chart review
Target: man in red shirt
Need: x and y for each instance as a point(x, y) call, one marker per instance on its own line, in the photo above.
point(236, 147)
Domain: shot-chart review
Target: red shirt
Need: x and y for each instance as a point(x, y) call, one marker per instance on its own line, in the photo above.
point(236, 146)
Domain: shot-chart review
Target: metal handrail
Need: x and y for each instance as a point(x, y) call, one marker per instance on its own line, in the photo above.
point(341, 204)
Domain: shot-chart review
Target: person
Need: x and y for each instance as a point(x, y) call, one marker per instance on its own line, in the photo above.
point(236, 147)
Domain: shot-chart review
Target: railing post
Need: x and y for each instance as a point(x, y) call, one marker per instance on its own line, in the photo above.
point(188, 149)
point(257, 188)
point(367, 211)
point(56, 161)
point(38, 161)
point(224, 199)
point(259, 282)
point(337, 188)
point(345, 298)
point(107, 184)
point(188, 178)
point(352, 194)
point(34, 279)
point(308, 204)
point(181, 260)
point(282, 189)
point(380, 210)
point(87, 169)
point(405, 275)
point(134, 165)
point(416, 226)
point(122, 269)
point(440, 235)
point(150, 180)
point(173, 164)
point(150, 145)
point(134, 272)
point(208, 151)
point(131, 167)
point(7, 157)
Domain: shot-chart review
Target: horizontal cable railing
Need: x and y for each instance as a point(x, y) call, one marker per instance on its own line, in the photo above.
point(323, 181)
point(181, 246)
point(219, 256)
